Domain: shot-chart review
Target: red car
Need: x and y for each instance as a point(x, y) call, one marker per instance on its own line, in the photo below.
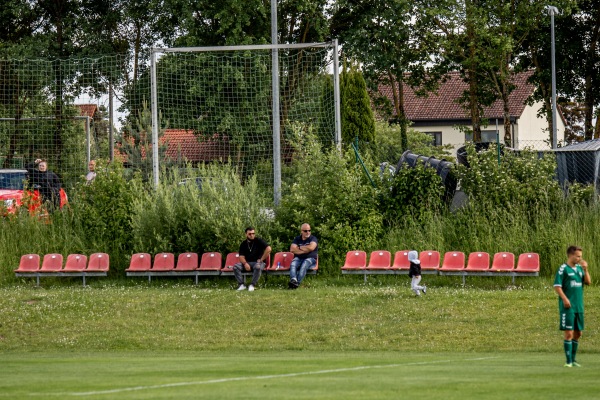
point(13, 194)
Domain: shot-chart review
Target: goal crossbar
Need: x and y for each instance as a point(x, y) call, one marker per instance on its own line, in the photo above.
point(242, 47)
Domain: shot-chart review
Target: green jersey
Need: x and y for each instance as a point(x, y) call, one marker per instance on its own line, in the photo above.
point(570, 279)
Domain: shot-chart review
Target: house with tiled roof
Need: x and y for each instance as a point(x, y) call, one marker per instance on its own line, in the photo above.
point(182, 146)
point(441, 115)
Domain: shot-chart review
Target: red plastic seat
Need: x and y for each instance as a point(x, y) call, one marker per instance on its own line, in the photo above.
point(528, 262)
point(140, 262)
point(52, 263)
point(503, 262)
point(284, 258)
point(380, 259)
point(453, 261)
point(164, 262)
point(211, 262)
point(430, 260)
point(401, 260)
point(478, 261)
point(99, 262)
point(355, 259)
point(29, 263)
point(231, 260)
point(75, 263)
point(187, 262)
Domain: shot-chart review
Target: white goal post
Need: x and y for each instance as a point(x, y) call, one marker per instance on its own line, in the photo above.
point(222, 93)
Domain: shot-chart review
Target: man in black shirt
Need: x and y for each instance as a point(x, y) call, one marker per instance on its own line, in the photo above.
point(254, 252)
point(46, 182)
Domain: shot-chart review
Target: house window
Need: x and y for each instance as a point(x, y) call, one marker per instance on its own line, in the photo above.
point(486, 136)
point(436, 138)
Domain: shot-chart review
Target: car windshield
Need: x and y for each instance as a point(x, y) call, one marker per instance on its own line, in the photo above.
point(12, 180)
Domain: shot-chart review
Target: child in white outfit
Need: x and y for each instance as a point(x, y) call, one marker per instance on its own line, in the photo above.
point(415, 273)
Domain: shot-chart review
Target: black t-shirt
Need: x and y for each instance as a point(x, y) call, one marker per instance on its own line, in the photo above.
point(253, 250)
point(414, 270)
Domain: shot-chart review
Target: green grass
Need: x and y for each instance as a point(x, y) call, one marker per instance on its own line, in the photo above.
point(372, 341)
point(297, 375)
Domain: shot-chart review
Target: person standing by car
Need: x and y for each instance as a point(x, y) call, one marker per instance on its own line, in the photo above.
point(254, 252)
point(305, 250)
point(46, 182)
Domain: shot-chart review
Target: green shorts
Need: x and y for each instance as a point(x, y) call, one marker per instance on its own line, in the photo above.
point(571, 321)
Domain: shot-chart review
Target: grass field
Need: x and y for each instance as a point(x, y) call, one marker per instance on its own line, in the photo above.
point(297, 375)
point(174, 340)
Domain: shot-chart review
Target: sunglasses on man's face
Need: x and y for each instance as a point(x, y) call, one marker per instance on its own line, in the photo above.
point(305, 230)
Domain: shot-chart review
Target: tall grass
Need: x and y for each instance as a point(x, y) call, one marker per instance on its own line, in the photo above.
point(516, 229)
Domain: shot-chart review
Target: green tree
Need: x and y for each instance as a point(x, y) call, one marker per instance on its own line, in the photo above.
point(357, 115)
point(384, 37)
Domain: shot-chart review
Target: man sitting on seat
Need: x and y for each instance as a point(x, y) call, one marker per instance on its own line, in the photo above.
point(305, 248)
point(254, 252)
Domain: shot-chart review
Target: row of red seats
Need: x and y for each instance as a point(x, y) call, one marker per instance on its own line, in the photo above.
point(77, 265)
point(99, 262)
point(453, 261)
point(211, 261)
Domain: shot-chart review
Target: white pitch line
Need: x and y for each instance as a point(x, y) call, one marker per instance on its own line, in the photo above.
point(249, 378)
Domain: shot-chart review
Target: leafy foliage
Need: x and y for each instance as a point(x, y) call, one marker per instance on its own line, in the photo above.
point(357, 115)
point(330, 194)
point(522, 178)
point(103, 210)
point(191, 217)
point(414, 192)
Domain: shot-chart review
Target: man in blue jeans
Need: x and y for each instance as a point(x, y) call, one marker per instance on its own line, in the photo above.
point(304, 247)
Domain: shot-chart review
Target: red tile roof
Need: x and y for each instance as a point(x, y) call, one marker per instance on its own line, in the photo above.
point(183, 145)
point(87, 110)
point(443, 104)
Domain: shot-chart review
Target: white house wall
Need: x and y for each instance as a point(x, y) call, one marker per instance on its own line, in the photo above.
point(529, 131)
point(532, 131)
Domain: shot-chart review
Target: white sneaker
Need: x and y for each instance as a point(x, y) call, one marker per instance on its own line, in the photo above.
point(242, 287)
point(424, 289)
point(251, 288)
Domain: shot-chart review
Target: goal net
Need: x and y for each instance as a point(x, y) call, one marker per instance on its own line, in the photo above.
point(58, 111)
point(215, 104)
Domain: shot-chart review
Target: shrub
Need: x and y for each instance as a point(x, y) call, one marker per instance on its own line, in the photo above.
point(103, 211)
point(411, 193)
point(331, 194)
point(517, 179)
point(185, 217)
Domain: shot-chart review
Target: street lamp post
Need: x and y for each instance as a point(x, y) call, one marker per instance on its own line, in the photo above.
point(552, 11)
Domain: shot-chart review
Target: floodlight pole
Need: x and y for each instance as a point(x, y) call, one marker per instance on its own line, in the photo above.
point(276, 121)
point(551, 10)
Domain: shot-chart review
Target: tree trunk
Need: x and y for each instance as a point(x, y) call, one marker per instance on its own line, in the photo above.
point(474, 106)
point(506, 115)
point(398, 97)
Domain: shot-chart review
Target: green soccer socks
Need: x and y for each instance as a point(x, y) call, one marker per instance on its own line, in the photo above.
point(574, 346)
point(568, 344)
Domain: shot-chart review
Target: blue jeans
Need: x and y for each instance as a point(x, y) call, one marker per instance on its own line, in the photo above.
point(305, 265)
